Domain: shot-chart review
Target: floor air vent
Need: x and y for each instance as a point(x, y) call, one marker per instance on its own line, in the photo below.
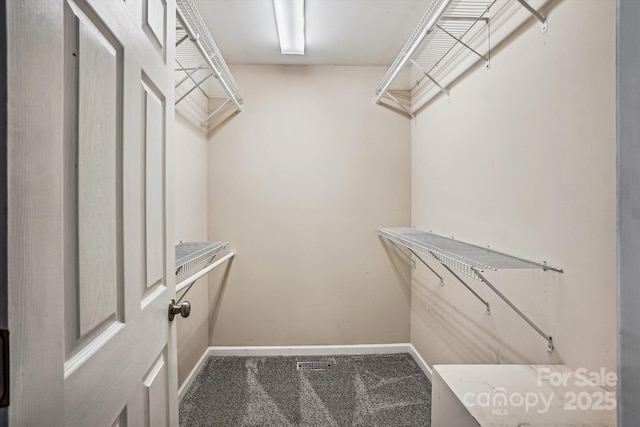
point(318, 365)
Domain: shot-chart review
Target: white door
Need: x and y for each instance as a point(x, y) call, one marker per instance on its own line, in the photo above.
point(90, 242)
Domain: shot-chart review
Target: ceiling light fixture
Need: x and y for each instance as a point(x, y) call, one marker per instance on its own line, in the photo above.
point(290, 22)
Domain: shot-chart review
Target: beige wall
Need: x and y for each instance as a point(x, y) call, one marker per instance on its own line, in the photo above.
point(190, 216)
point(299, 183)
point(523, 158)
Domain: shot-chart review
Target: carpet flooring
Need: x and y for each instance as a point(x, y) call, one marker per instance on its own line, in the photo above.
point(357, 391)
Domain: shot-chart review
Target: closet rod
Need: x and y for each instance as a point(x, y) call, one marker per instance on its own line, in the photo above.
point(188, 281)
point(195, 38)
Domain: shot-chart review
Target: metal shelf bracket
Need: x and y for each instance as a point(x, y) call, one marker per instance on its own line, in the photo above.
point(453, 273)
point(535, 13)
point(413, 263)
point(405, 109)
point(211, 115)
point(429, 267)
point(189, 74)
point(516, 309)
point(194, 87)
point(182, 39)
point(458, 40)
point(469, 259)
point(442, 88)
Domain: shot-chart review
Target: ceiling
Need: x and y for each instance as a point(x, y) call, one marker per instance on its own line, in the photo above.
point(338, 32)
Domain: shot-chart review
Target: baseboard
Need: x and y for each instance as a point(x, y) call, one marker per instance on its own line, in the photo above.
point(310, 350)
point(304, 350)
point(421, 362)
point(193, 374)
point(321, 350)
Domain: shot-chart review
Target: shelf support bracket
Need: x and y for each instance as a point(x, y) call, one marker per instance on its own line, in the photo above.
point(179, 42)
point(190, 73)
point(413, 263)
point(535, 13)
point(197, 85)
point(210, 116)
point(516, 309)
point(437, 258)
point(190, 281)
point(428, 266)
point(462, 43)
point(405, 109)
point(189, 76)
point(442, 89)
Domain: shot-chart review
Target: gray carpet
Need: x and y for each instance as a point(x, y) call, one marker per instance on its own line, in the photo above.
point(367, 391)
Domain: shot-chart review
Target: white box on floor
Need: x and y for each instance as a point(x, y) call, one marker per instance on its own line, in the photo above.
point(512, 395)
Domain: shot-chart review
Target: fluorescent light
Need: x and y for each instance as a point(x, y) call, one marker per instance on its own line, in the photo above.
point(290, 22)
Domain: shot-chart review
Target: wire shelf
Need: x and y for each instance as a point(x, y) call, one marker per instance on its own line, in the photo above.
point(191, 254)
point(468, 259)
point(406, 49)
point(188, 53)
point(435, 36)
point(189, 60)
point(453, 27)
point(463, 257)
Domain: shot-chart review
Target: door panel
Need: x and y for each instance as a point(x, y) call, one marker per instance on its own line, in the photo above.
point(155, 17)
point(154, 25)
point(102, 386)
point(92, 183)
point(99, 146)
point(98, 139)
point(153, 140)
point(155, 393)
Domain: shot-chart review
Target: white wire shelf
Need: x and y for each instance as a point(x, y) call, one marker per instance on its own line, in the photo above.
point(191, 254)
point(427, 21)
point(463, 257)
point(451, 30)
point(445, 26)
point(198, 56)
point(468, 259)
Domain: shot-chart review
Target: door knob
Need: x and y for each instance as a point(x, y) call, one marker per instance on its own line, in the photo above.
point(183, 309)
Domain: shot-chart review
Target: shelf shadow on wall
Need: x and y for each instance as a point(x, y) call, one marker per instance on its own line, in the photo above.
point(461, 333)
point(401, 264)
point(215, 309)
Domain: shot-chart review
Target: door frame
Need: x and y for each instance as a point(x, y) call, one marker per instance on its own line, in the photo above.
point(628, 112)
point(4, 412)
point(35, 271)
